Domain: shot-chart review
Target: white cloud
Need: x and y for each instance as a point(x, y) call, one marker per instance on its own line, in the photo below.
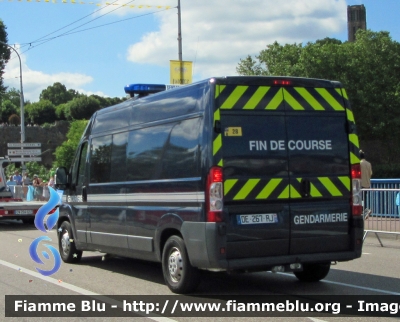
point(36, 81)
point(216, 34)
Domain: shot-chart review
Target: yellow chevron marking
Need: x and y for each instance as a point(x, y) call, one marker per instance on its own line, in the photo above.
point(219, 89)
point(256, 97)
point(350, 115)
point(328, 184)
point(228, 184)
point(275, 102)
point(285, 193)
point(294, 193)
point(309, 98)
point(268, 189)
point(217, 115)
point(217, 144)
point(344, 93)
point(234, 97)
point(354, 159)
point(292, 101)
point(314, 192)
point(353, 138)
point(221, 163)
point(246, 189)
point(346, 182)
point(330, 99)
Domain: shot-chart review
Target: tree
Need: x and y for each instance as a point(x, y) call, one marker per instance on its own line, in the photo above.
point(58, 94)
point(41, 112)
point(14, 120)
point(65, 153)
point(368, 68)
point(7, 108)
point(83, 107)
point(13, 95)
point(5, 53)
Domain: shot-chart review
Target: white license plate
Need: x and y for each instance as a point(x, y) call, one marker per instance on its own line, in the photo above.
point(23, 212)
point(257, 219)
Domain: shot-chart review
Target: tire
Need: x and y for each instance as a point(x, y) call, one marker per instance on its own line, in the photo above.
point(68, 251)
point(179, 275)
point(313, 272)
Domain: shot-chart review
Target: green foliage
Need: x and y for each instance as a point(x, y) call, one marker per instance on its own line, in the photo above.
point(62, 111)
point(65, 153)
point(5, 53)
point(58, 94)
point(32, 168)
point(13, 95)
point(7, 108)
point(41, 112)
point(369, 69)
point(83, 107)
point(386, 171)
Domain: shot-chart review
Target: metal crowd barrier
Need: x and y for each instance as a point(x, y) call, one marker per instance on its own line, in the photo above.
point(381, 214)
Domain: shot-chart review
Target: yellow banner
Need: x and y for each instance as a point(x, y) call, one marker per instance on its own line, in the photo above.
point(180, 72)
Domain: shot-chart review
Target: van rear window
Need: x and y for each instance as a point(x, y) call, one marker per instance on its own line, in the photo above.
point(279, 144)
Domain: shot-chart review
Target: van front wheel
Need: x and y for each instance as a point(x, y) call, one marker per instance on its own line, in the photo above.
point(313, 272)
point(179, 275)
point(66, 244)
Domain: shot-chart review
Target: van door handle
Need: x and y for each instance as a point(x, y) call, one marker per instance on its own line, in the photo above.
point(305, 188)
point(84, 194)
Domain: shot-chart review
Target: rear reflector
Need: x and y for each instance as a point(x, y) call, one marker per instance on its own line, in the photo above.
point(356, 199)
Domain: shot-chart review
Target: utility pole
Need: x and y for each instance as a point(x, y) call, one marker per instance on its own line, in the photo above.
point(179, 31)
point(21, 98)
point(180, 42)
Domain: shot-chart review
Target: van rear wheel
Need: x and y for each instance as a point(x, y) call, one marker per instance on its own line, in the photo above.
point(66, 244)
point(313, 272)
point(179, 275)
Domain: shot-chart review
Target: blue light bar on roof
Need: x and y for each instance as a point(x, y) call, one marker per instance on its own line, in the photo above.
point(143, 89)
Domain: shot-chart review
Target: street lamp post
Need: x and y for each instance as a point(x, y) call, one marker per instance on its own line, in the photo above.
point(21, 102)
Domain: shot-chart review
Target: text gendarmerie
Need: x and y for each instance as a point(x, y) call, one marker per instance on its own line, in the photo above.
point(320, 218)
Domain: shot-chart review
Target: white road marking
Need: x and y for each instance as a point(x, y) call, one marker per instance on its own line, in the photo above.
point(351, 285)
point(78, 289)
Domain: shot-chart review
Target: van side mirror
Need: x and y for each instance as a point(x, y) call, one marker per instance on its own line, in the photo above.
point(61, 178)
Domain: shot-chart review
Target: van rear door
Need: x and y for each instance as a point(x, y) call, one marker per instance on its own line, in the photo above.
point(255, 167)
point(285, 157)
point(319, 168)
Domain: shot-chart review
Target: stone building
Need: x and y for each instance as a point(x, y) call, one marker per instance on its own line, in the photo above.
point(356, 19)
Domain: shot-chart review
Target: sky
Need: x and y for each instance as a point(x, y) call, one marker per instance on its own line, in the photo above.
point(98, 47)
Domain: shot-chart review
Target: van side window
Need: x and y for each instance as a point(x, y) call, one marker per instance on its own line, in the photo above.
point(100, 156)
point(118, 157)
point(78, 170)
point(180, 159)
point(145, 149)
point(82, 164)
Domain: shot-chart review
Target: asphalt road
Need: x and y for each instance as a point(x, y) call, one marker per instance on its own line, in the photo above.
point(377, 272)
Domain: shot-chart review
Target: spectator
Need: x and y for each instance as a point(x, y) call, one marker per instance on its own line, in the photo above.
point(17, 178)
point(26, 181)
point(366, 173)
point(37, 184)
point(11, 185)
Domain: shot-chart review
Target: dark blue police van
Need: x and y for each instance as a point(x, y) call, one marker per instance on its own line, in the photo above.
point(228, 174)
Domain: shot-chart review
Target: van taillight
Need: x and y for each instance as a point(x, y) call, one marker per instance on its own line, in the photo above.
point(214, 195)
point(356, 190)
point(282, 82)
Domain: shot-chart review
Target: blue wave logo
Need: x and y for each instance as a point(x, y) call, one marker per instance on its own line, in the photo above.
point(46, 226)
